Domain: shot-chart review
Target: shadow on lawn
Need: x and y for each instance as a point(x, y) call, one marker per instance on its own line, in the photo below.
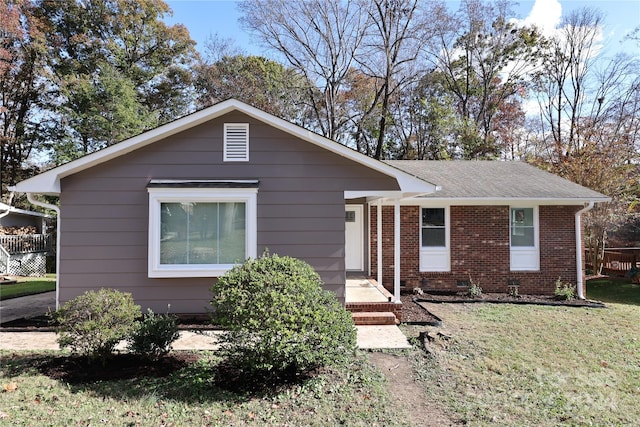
point(190, 377)
point(614, 290)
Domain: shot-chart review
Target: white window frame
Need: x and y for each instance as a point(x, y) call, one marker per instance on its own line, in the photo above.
point(436, 258)
point(525, 258)
point(157, 196)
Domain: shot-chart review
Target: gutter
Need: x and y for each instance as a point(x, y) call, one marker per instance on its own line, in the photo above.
point(55, 208)
point(578, 225)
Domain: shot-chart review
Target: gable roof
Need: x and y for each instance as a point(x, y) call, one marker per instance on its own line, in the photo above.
point(474, 180)
point(49, 182)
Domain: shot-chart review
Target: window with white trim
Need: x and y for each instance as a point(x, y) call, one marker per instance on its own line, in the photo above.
point(200, 232)
point(236, 142)
point(434, 239)
point(523, 237)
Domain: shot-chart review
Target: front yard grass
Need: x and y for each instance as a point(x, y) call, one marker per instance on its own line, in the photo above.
point(28, 286)
point(615, 290)
point(352, 394)
point(531, 365)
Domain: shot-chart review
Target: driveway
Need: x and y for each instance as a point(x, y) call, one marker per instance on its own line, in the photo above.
point(25, 307)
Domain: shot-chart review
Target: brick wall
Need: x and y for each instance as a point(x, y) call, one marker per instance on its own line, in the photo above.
point(480, 247)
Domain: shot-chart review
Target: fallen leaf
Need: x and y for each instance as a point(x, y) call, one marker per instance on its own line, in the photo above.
point(9, 387)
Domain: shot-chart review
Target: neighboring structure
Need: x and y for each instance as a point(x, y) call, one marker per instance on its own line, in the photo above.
point(25, 241)
point(164, 213)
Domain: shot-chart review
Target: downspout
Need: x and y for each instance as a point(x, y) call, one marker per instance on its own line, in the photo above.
point(396, 251)
point(578, 225)
point(379, 242)
point(33, 201)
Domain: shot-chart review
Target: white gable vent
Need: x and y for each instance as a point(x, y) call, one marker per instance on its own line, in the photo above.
point(236, 142)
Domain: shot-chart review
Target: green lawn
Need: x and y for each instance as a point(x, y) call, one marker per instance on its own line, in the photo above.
point(497, 365)
point(514, 365)
point(350, 395)
point(620, 291)
point(28, 286)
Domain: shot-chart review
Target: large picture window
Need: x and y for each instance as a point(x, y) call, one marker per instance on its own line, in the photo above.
point(200, 232)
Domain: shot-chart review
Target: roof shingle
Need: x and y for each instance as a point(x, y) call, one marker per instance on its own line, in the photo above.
point(473, 179)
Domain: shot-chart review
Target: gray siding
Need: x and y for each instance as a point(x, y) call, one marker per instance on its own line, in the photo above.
point(104, 217)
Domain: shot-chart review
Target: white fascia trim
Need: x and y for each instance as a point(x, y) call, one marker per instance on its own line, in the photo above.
point(49, 182)
point(389, 196)
point(407, 182)
point(488, 201)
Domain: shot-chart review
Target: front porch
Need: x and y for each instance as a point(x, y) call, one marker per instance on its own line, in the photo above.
point(370, 303)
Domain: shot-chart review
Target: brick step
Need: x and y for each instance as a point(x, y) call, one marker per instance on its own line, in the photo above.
point(374, 318)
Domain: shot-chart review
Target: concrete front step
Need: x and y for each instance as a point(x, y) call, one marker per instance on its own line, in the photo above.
point(374, 318)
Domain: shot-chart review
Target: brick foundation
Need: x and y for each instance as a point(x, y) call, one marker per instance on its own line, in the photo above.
point(480, 248)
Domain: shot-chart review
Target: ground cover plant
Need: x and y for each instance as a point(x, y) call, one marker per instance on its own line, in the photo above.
point(28, 286)
point(503, 364)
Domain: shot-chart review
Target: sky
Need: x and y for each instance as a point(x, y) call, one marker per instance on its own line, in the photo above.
point(204, 18)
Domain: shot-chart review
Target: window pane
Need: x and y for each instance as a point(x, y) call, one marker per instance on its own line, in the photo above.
point(202, 233)
point(173, 233)
point(231, 233)
point(522, 228)
point(522, 236)
point(433, 237)
point(433, 217)
point(522, 216)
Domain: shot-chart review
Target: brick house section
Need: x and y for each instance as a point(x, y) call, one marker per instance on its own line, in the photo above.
point(479, 242)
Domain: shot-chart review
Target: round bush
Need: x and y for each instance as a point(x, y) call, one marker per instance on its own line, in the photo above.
point(278, 318)
point(93, 323)
point(154, 335)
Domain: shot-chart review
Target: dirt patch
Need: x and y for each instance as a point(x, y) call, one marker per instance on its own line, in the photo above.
point(408, 393)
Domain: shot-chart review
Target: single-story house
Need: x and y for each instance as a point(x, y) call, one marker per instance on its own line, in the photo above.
point(164, 213)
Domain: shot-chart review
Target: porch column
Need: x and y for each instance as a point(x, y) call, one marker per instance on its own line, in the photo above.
point(379, 240)
point(396, 251)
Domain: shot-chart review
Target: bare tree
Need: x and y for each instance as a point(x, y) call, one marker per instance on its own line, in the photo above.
point(388, 55)
point(317, 38)
point(563, 84)
point(485, 60)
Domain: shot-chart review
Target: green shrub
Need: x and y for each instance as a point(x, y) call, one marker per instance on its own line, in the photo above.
point(278, 318)
point(474, 290)
point(154, 335)
point(564, 291)
point(93, 323)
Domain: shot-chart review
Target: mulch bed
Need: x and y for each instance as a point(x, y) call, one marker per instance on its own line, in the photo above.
point(501, 298)
point(42, 324)
point(412, 312)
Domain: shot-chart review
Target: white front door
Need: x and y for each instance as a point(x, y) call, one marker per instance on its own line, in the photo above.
point(353, 238)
